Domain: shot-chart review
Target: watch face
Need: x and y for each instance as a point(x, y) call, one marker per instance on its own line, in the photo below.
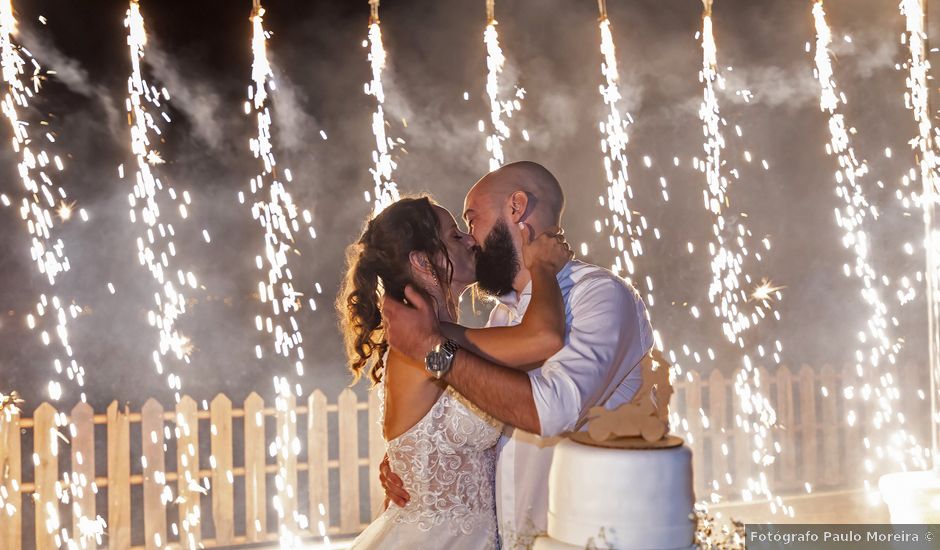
point(434, 361)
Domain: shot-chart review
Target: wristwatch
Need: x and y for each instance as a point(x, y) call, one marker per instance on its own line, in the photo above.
point(441, 358)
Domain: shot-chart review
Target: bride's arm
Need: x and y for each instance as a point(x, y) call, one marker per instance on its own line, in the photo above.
point(542, 330)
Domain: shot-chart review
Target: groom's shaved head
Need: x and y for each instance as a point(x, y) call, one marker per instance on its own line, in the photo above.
point(518, 193)
point(546, 199)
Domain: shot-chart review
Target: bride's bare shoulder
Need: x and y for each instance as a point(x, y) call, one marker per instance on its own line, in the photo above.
point(410, 393)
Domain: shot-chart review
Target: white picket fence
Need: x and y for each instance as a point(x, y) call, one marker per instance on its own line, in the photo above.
point(336, 478)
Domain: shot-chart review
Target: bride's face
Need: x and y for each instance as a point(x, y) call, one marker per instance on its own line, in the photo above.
point(460, 249)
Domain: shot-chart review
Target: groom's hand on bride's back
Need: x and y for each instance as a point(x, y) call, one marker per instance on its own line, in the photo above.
point(394, 488)
point(412, 328)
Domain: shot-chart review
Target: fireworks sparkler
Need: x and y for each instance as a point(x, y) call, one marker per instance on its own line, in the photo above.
point(853, 217)
point(614, 146)
point(727, 291)
point(43, 199)
point(495, 61)
point(917, 100)
point(386, 190)
point(155, 245)
point(277, 216)
point(42, 196)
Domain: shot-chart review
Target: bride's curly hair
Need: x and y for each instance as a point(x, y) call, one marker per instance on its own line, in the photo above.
point(379, 263)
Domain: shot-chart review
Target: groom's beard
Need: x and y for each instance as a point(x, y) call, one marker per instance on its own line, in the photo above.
point(497, 261)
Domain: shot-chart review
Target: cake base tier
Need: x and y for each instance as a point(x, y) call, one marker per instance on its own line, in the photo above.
point(623, 499)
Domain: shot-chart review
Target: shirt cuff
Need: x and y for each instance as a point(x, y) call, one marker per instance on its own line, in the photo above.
point(557, 400)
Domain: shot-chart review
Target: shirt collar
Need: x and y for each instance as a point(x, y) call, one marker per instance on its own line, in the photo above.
point(515, 299)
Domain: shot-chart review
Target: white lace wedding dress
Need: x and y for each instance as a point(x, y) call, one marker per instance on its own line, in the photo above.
point(447, 462)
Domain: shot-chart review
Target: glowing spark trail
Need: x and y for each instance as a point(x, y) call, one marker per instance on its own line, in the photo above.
point(917, 100)
point(42, 197)
point(37, 170)
point(625, 229)
point(155, 245)
point(852, 218)
point(495, 60)
point(278, 218)
point(386, 190)
point(728, 251)
point(156, 248)
point(614, 147)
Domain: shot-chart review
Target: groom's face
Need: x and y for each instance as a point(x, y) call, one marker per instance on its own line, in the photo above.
point(497, 260)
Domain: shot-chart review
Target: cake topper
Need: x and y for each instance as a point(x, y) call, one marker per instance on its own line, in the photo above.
point(644, 421)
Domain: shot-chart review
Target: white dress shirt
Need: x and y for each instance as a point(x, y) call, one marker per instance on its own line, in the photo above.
point(607, 333)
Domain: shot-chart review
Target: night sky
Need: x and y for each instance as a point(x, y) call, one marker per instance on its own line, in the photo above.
point(201, 52)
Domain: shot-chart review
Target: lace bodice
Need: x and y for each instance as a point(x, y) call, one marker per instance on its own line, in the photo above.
point(447, 462)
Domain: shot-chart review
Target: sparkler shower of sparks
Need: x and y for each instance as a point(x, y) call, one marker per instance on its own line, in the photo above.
point(852, 218)
point(36, 173)
point(386, 190)
point(619, 193)
point(35, 168)
point(614, 147)
point(277, 216)
point(155, 246)
point(623, 220)
point(728, 251)
point(917, 100)
point(495, 61)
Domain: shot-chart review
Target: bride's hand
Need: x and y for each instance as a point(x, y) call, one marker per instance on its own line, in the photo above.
point(549, 250)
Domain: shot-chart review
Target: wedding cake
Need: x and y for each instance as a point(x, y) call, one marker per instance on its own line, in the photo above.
point(623, 484)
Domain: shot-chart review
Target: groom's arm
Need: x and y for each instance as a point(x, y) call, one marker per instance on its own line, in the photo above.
point(504, 393)
point(606, 337)
point(609, 332)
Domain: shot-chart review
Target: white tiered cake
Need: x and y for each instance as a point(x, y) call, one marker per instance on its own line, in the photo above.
point(623, 484)
point(625, 499)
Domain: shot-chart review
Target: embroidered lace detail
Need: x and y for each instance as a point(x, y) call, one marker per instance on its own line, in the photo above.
point(447, 462)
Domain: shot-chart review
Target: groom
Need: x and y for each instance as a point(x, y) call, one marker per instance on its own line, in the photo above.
point(607, 334)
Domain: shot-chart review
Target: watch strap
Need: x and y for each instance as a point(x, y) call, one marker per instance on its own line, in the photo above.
point(450, 346)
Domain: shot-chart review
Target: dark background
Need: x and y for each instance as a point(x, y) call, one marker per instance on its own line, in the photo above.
point(201, 52)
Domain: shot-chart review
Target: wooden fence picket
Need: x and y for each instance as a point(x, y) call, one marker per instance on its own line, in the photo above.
point(187, 471)
point(83, 463)
point(287, 465)
point(742, 443)
point(223, 479)
point(376, 453)
point(119, 475)
point(832, 467)
point(318, 477)
point(11, 475)
point(808, 426)
point(693, 407)
point(46, 473)
point(717, 417)
point(154, 474)
point(786, 418)
point(348, 461)
point(256, 506)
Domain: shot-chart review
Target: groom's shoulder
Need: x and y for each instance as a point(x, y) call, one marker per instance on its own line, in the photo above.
point(588, 278)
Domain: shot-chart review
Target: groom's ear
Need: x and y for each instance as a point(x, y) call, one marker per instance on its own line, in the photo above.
point(519, 206)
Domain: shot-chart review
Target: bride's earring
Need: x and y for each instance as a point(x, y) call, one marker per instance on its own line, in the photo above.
point(433, 274)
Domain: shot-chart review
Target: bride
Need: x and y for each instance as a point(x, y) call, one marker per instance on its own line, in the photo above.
point(440, 445)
